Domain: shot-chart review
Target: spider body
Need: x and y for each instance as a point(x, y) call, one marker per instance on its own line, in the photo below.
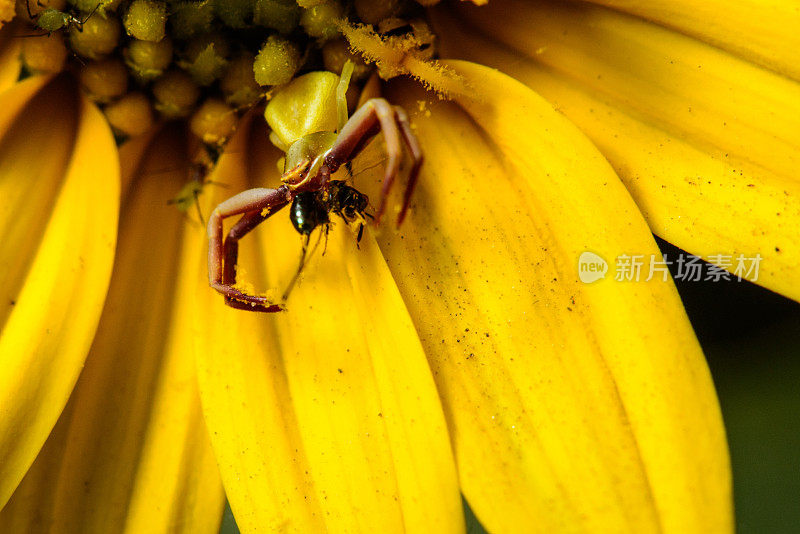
point(302, 117)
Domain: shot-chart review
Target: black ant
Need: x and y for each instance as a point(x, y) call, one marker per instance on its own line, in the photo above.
point(311, 209)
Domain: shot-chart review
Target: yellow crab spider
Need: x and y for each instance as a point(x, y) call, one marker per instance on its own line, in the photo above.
point(308, 118)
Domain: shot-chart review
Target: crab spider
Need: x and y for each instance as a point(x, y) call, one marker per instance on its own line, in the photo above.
point(313, 153)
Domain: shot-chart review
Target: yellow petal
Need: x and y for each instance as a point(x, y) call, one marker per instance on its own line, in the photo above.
point(10, 46)
point(59, 181)
point(572, 407)
point(765, 33)
point(132, 155)
point(325, 416)
point(705, 142)
point(131, 452)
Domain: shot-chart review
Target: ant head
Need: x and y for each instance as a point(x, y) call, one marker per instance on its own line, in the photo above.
point(347, 200)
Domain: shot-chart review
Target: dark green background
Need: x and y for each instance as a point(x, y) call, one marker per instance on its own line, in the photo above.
point(751, 338)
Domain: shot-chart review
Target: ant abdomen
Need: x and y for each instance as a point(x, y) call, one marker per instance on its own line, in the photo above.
point(308, 212)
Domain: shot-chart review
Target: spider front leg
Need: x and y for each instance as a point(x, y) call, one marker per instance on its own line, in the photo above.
point(374, 116)
point(256, 205)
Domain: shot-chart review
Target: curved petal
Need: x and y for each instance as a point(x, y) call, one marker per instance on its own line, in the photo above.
point(765, 33)
point(132, 157)
point(705, 142)
point(131, 452)
point(572, 406)
point(58, 222)
point(325, 416)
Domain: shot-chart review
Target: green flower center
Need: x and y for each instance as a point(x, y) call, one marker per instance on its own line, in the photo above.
point(208, 61)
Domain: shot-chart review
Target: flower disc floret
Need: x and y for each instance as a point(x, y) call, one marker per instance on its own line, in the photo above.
point(213, 122)
point(322, 20)
point(176, 94)
point(104, 79)
point(44, 54)
point(147, 60)
point(146, 20)
point(280, 15)
point(277, 61)
point(130, 115)
point(98, 37)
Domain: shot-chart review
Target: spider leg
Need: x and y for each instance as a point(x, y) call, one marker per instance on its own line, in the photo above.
point(375, 115)
point(256, 205)
point(325, 247)
point(239, 299)
point(416, 154)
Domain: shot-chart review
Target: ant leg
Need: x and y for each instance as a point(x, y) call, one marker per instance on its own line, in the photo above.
point(303, 256)
point(299, 268)
point(416, 154)
point(324, 248)
point(375, 115)
point(360, 235)
point(252, 203)
point(196, 196)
